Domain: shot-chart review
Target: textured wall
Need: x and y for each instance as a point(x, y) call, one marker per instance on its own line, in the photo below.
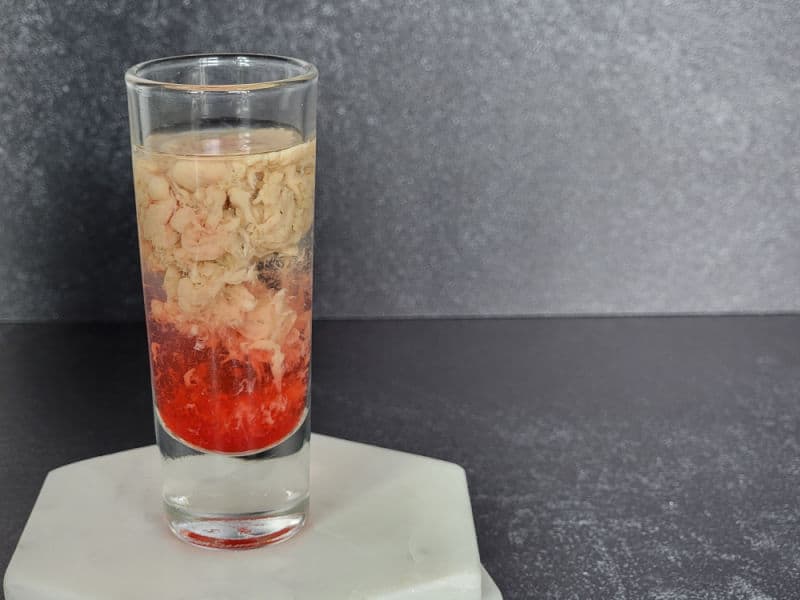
point(475, 157)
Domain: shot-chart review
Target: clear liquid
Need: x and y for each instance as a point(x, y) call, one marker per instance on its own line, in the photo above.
point(225, 232)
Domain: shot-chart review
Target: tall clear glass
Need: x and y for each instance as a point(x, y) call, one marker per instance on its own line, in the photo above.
point(224, 151)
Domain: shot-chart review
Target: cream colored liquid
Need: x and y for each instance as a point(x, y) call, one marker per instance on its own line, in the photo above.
point(225, 227)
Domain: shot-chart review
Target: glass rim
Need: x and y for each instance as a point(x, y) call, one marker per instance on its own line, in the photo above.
point(133, 76)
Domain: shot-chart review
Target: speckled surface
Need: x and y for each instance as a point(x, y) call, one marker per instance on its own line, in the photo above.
point(508, 157)
point(620, 459)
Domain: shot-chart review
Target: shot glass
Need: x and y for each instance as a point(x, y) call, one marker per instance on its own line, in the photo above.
point(224, 150)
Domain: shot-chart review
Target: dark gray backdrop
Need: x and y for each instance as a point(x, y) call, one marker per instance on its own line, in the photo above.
point(489, 158)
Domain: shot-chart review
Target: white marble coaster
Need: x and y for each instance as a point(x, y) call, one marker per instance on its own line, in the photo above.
point(384, 525)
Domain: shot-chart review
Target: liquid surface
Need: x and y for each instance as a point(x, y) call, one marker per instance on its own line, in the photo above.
point(226, 142)
point(225, 226)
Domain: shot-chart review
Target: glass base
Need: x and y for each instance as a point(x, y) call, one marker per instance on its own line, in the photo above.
point(236, 502)
point(237, 532)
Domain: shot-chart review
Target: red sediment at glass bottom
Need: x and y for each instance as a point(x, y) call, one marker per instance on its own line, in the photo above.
point(219, 404)
point(244, 543)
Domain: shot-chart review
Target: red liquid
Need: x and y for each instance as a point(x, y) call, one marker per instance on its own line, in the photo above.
point(219, 404)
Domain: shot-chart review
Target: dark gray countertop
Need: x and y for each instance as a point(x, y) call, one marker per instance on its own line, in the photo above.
point(624, 458)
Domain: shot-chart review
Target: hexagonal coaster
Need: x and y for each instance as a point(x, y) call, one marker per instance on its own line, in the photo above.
point(383, 524)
